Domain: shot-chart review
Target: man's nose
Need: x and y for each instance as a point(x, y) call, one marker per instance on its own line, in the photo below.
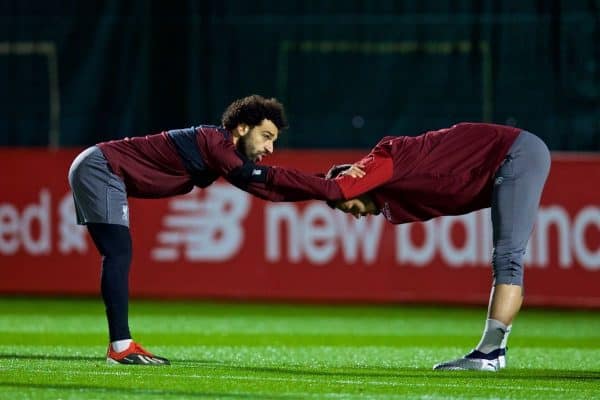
point(269, 147)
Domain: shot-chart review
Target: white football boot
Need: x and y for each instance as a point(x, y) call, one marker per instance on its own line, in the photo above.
point(476, 361)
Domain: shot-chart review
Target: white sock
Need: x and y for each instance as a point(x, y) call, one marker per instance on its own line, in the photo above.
point(505, 338)
point(120, 345)
point(493, 336)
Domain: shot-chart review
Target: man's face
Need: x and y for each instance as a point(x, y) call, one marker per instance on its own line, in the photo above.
point(258, 141)
point(358, 207)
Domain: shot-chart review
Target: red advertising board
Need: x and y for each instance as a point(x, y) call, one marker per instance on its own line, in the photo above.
point(223, 243)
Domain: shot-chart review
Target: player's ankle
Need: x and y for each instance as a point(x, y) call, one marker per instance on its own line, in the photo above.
point(120, 345)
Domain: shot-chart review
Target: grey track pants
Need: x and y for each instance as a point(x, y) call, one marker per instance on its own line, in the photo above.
point(518, 185)
point(99, 194)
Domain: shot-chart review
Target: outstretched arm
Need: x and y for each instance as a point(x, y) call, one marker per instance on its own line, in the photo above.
point(256, 179)
point(287, 184)
point(225, 159)
point(377, 167)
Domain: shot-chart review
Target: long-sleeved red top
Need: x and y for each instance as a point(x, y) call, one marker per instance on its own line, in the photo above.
point(173, 162)
point(444, 172)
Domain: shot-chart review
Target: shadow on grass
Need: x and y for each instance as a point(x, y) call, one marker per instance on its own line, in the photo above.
point(46, 357)
point(42, 357)
point(146, 392)
point(387, 372)
point(379, 372)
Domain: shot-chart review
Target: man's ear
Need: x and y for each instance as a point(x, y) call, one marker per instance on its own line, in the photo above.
point(242, 129)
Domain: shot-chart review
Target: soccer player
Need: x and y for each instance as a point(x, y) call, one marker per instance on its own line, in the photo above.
point(452, 171)
point(170, 163)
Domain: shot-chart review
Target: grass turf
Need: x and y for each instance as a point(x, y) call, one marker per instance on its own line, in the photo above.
point(54, 348)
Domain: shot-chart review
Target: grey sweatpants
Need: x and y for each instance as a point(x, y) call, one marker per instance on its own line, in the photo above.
point(99, 194)
point(518, 185)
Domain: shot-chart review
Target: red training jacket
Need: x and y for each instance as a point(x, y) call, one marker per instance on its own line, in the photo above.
point(444, 172)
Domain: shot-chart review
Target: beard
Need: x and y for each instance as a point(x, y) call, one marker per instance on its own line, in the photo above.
point(244, 147)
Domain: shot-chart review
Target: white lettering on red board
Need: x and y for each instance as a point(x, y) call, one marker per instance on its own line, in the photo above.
point(318, 234)
point(208, 225)
point(29, 227)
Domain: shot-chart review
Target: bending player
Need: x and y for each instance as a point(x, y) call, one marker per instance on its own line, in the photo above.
point(166, 164)
point(453, 171)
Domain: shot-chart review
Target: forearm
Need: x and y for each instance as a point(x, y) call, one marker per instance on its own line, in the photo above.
point(295, 185)
point(254, 179)
point(266, 192)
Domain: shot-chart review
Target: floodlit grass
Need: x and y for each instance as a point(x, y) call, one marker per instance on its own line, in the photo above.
point(52, 349)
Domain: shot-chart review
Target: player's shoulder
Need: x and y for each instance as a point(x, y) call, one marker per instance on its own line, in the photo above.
point(218, 132)
point(211, 129)
point(483, 126)
point(214, 136)
point(387, 141)
point(386, 144)
point(385, 147)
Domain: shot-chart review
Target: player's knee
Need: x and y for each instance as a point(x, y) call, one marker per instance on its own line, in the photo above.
point(508, 268)
point(120, 251)
point(120, 256)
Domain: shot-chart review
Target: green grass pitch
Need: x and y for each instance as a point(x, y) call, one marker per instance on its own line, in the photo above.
point(54, 349)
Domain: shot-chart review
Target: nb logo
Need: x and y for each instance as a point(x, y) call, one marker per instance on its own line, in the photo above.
point(387, 213)
point(499, 180)
point(256, 172)
point(204, 225)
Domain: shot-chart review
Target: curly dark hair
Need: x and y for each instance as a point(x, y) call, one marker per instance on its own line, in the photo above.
point(252, 110)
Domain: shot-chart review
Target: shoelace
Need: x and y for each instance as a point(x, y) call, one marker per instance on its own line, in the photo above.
point(139, 349)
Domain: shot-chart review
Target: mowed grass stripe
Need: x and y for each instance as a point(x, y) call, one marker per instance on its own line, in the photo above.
point(253, 339)
point(55, 349)
point(65, 392)
point(314, 358)
point(453, 381)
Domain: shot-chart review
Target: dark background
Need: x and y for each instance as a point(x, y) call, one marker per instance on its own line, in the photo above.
point(73, 73)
